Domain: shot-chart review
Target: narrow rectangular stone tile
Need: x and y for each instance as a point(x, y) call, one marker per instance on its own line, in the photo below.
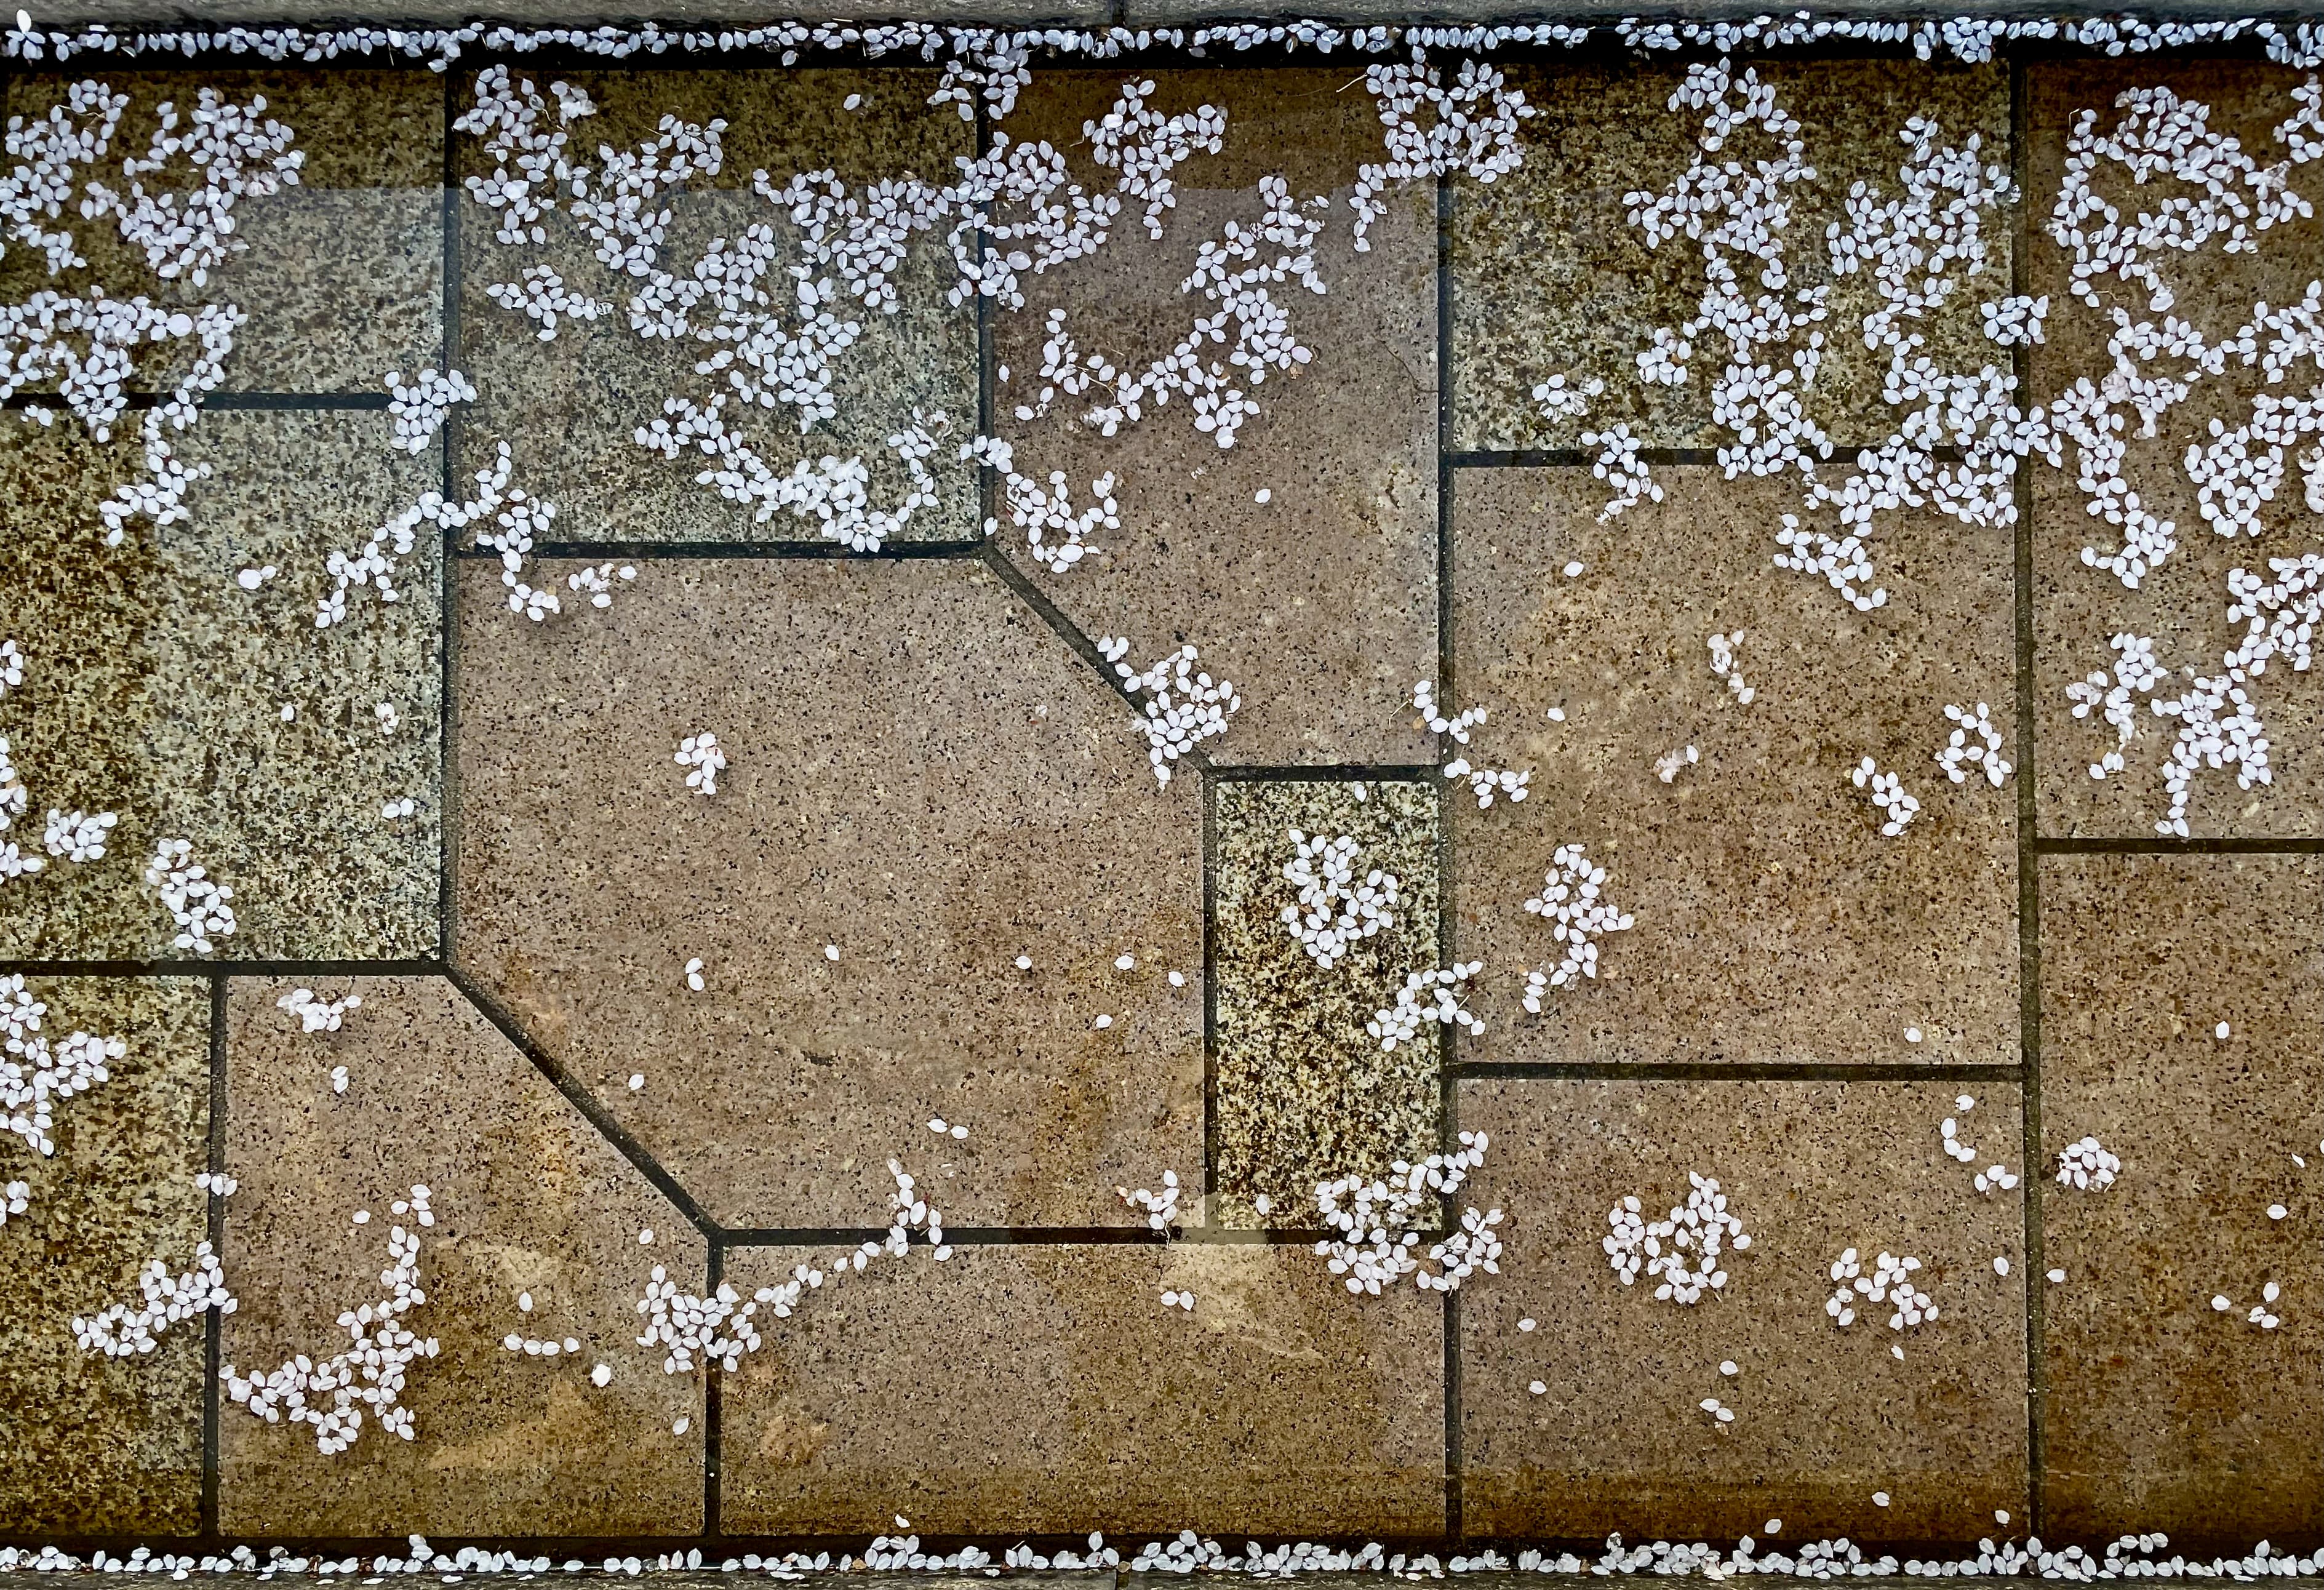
point(91, 1444)
point(528, 1198)
point(925, 783)
point(1550, 277)
point(571, 407)
point(1773, 922)
point(343, 275)
point(1319, 603)
point(155, 688)
point(2162, 1411)
point(2182, 604)
point(1825, 1416)
point(1302, 1093)
point(1047, 1391)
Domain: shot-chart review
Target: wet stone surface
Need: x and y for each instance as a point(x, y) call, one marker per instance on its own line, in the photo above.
point(571, 406)
point(1552, 277)
point(530, 1203)
point(342, 277)
point(1775, 922)
point(1825, 1416)
point(923, 783)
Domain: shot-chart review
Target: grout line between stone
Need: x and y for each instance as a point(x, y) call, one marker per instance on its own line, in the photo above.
point(583, 1100)
point(1195, 760)
point(1732, 1071)
point(2029, 864)
point(447, 439)
point(2103, 846)
point(221, 969)
point(994, 1237)
point(1335, 772)
point(1447, 1073)
point(642, 551)
point(713, 1398)
point(213, 1327)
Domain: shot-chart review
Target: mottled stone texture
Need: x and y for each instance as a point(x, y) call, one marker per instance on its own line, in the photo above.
point(2181, 607)
point(1551, 277)
point(1825, 1416)
point(922, 777)
point(90, 1445)
point(1302, 1093)
point(1044, 1391)
point(1319, 604)
point(155, 688)
point(2165, 1413)
point(342, 276)
point(528, 1198)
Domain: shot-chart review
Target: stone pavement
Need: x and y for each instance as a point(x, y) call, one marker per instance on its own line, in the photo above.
point(939, 881)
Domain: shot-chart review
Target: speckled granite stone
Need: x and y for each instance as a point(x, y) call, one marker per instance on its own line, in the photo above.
point(155, 688)
point(528, 1196)
point(1303, 1093)
point(1047, 1391)
point(90, 1445)
point(1773, 920)
point(1550, 276)
point(344, 276)
point(1825, 1416)
point(571, 407)
point(1319, 604)
point(920, 776)
point(2163, 1412)
point(2181, 605)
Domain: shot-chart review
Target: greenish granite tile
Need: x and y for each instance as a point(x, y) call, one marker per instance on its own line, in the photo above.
point(344, 275)
point(572, 406)
point(92, 1444)
point(1303, 1093)
point(1550, 277)
point(155, 689)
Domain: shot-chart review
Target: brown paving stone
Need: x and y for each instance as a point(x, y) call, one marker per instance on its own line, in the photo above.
point(1825, 1416)
point(2162, 1414)
point(91, 1444)
point(527, 1195)
point(1302, 1094)
point(155, 688)
point(1047, 1391)
point(1549, 276)
point(922, 774)
point(1774, 922)
point(571, 407)
point(344, 276)
point(1320, 603)
point(2182, 605)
